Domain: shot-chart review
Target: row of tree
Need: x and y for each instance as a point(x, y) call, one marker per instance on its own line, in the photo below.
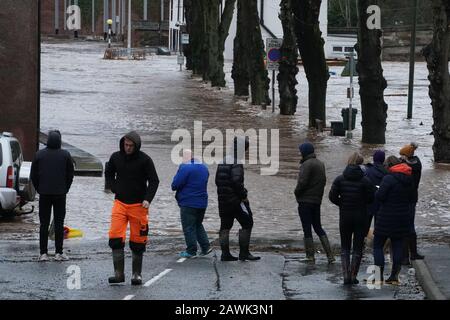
point(208, 23)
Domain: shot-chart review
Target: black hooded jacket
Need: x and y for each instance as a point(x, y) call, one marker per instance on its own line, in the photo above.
point(352, 191)
point(132, 178)
point(52, 168)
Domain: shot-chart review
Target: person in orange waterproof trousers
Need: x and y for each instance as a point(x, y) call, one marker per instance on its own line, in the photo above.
point(131, 176)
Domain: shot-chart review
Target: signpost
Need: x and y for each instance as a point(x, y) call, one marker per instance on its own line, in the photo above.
point(350, 95)
point(185, 38)
point(273, 46)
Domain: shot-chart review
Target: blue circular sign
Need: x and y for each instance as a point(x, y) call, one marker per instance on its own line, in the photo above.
point(274, 54)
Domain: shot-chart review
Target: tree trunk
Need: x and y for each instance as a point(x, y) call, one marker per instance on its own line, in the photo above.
point(437, 57)
point(187, 49)
point(211, 16)
point(310, 45)
point(239, 72)
point(197, 37)
point(224, 27)
point(371, 80)
point(288, 65)
point(259, 78)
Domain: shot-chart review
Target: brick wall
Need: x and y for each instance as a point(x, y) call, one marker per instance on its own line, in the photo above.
point(19, 61)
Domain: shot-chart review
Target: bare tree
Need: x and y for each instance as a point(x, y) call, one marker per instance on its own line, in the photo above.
point(288, 65)
point(437, 57)
point(311, 46)
point(371, 80)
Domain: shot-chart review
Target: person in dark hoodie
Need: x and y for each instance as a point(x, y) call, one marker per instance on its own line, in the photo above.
point(309, 192)
point(375, 172)
point(133, 179)
point(352, 192)
point(233, 202)
point(396, 194)
point(410, 242)
point(52, 174)
point(191, 186)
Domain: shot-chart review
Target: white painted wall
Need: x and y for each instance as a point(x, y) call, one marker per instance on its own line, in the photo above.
point(273, 23)
point(175, 7)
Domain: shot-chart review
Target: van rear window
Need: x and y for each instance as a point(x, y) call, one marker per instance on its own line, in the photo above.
point(15, 150)
point(1, 155)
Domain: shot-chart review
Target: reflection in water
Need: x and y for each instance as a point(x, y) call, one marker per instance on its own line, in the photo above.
point(94, 102)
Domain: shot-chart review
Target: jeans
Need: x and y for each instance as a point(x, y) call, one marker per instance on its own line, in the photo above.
point(192, 223)
point(378, 254)
point(310, 216)
point(46, 202)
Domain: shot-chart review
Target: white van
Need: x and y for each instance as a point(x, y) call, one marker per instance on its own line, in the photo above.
point(16, 188)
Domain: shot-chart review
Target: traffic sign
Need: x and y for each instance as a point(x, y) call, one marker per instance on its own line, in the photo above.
point(185, 38)
point(273, 46)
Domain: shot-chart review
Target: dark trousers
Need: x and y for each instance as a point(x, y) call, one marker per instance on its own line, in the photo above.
point(229, 212)
point(310, 217)
point(46, 202)
point(352, 227)
point(378, 254)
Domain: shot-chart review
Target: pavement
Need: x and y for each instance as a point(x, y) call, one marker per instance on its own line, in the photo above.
point(433, 272)
point(281, 274)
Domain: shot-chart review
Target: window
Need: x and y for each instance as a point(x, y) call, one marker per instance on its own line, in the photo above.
point(349, 49)
point(337, 49)
point(15, 150)
point(1, 155)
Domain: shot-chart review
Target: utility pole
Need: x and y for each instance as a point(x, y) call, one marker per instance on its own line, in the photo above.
point(93, 17)
point(145, 9)
point(56, 16)
point(412, 60)
point(129, 29)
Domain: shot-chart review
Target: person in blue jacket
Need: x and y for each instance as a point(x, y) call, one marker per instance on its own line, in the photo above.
point(190, 184)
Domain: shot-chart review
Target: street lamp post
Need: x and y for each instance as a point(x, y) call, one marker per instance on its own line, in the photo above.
point(109, 21)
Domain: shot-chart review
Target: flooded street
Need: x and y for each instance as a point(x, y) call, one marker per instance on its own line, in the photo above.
point(93, 102)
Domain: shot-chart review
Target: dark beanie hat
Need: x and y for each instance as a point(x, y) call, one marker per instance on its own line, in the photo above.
point(379, 156)
point(306, 149)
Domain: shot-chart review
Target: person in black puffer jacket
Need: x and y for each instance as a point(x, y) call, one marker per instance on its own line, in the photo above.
point(233, 202)
point(352, 192)
point(396, 194)
point(410, 242)
point(375, 172)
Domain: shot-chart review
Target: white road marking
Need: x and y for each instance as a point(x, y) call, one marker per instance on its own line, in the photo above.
point(159, 276)
point(128, 297)
point(181, 260)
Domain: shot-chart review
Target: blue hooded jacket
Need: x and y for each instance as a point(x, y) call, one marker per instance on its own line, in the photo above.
point(191, 184)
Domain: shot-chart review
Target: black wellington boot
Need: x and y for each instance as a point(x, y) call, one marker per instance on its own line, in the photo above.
point(119, 265)
point(356, 262)
point(345, 262)
point(244, 244)
point(224, 239)
point(136, 278)
point(327, 247)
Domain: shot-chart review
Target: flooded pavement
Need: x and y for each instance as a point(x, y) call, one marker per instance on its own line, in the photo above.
point(277, 276)
point(94, 102)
